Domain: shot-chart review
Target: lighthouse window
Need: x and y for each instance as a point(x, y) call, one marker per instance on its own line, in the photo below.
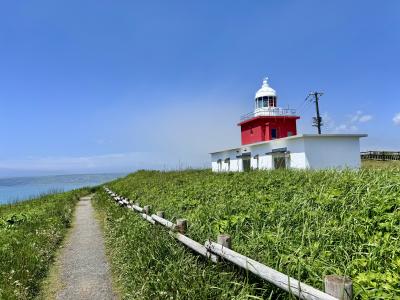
point(271, 102)
point(265, 102)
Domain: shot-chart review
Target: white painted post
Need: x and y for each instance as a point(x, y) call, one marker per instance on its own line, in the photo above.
point(225, 240)
point(181, 225)
point(340, 287)
point(146, 209)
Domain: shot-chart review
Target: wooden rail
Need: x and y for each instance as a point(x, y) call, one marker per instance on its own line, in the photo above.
point(195, 246)
point(286, 283)
point(336, 287)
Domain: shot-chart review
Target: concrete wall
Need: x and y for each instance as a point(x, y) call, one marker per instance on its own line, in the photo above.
point(332, 152)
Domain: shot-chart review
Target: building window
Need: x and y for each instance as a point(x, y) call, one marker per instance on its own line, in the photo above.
point(274, 133)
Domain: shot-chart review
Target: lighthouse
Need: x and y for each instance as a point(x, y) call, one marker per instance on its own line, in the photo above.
point(269, 140)
point(267, 121)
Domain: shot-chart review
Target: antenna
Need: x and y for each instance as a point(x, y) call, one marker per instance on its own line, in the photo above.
point(317, 121)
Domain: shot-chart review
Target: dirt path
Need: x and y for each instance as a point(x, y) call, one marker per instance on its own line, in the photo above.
point(83, 268)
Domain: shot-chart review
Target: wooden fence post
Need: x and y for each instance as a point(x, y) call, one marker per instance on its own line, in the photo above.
point(160, 214)
point(340, 287)
point(146, 209)
point(181, 225)
point(225, 240)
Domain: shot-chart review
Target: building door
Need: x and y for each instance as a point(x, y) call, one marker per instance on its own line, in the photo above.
point(279, 161)
point(246, 164)
point(274, 133)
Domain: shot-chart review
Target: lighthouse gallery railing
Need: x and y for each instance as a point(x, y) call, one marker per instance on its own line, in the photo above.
point(269, 113)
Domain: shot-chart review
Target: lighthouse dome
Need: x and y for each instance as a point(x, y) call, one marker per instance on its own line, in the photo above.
point(265, 90)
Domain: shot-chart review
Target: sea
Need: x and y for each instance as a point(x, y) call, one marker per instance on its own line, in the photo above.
point(24, 188)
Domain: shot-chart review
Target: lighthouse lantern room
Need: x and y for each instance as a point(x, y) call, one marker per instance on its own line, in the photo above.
point(268, 121)
point(270, 141)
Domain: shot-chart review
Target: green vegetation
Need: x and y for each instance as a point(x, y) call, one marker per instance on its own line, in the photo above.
point(306, 224)
point(30, 233)
point(380, 164)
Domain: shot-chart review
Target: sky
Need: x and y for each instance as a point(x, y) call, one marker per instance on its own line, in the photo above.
point(115, 86)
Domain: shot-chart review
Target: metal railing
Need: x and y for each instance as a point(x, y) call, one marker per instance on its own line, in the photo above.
point(381, 155)
point(269, 113)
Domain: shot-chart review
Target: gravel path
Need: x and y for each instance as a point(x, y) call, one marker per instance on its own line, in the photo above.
point(84, 271)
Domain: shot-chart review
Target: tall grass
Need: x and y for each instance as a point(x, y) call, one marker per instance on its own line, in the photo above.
point(30, 233)
point(306, 224)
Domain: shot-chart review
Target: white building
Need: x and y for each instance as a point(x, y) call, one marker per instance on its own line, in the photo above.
point(270, 141)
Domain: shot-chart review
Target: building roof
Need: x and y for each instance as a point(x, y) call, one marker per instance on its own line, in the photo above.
point(307, 135)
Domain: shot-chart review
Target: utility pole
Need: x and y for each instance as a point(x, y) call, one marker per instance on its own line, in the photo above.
point(317, 121)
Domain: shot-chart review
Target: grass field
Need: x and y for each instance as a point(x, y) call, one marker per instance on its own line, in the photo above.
point(306, 224)
point(380, 164)
point(30, 233)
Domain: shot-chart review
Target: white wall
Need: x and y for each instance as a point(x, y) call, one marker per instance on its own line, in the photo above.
point(306, 152)
point(332, 152)
point(233, 166)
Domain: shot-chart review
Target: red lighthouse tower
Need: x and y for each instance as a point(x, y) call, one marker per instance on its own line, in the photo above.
point(268, 121)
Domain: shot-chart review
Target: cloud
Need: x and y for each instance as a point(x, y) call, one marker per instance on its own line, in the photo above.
point(346, 127)
point(177, 133)
point(365, 118)
point(100, 141)
point(114, 162)
point(350, 124)
point(353, 121)
point(360, 117)
point(396, 119)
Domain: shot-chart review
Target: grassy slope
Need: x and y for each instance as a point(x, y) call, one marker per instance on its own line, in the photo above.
point(30, 233)
point(305, 224)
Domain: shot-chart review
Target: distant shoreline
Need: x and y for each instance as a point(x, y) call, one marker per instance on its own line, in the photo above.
point(17, 189)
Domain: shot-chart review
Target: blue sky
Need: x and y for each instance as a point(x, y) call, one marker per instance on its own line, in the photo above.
point(99, 86)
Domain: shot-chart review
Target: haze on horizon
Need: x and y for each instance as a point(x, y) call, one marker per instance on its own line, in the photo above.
point(105, 86)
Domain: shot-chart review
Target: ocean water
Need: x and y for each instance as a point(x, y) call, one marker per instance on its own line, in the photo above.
point(23, 188)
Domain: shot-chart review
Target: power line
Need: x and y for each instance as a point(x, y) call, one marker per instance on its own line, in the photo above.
point(302, 104)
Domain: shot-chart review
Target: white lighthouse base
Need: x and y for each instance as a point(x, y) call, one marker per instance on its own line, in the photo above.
point(307, 151)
